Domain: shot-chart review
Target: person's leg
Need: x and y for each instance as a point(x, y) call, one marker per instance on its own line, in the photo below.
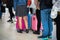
point(26, 23)
point(0, 14)
point(50, 25)
point(57, 20)
point(11, 14)
point(20, 23)
point(39, 21)
point(44, 20)
point(58, 31)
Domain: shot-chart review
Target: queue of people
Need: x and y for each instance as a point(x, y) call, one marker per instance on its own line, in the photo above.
point(40, 8)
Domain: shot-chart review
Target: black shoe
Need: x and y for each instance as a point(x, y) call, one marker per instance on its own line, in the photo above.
point(42, 36)
point(10, 21)
point(27, 31)
point(0, 18)
point(36, 32)
point(19, 31)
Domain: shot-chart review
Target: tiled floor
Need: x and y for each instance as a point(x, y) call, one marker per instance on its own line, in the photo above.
point(8, 31)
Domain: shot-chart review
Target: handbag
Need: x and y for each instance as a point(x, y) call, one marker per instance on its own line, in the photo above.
point(54, 13)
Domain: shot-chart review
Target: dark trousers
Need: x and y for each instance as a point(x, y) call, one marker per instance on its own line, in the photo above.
point(38, 19)
point(11, 12)
point(57, 20)
point(0, 14)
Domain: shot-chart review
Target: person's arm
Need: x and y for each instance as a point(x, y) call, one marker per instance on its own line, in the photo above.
point(37, 3)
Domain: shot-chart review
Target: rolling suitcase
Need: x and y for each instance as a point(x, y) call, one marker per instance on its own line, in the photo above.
point(29, 20)
point(34, 23)
point(17, 26)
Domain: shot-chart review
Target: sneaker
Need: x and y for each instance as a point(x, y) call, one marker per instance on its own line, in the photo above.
point(27, 31)
point(50, 37)
point(19, 31)
point(10, 21)
point(45, 38)
point(35, 32)
point(42, 36)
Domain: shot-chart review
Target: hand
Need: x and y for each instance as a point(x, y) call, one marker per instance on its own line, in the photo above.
point(28, 6)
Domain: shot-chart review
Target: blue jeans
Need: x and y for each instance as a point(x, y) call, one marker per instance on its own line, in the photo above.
point(46, 22)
